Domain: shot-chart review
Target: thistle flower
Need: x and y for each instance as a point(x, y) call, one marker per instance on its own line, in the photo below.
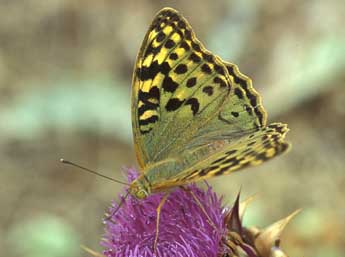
point(184, 228)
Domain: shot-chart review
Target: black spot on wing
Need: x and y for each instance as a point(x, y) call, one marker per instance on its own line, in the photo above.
point(259, 115)
point(208, 90)
point(208, 57)
point(195, 58)
point(232, 161)
point(185, 45)
point(261, 157)
point(221, 171)
point(173, 104)
point(173, 56)
point(205, 171)
point(147, 106)
point(206, 68)
point(229, 163)
point(196, 47)
point(146, 73)
point(152, 50)
point(277, 127)
point(231, 152)
point(145, 131)
point(188, 35)
point(220, 81)
point(284, 147)
point(251, 143)
point(153, 93)
point(235, 114)
point(219, 159)
point(169, 44)
point(191, 82)
point(194, 104)
point(160, 37)
point(248, 109)
point(169, 85)
point(253, 101)
point(239, 93)
point(181, 24)
point(149, 120)
point(149, 99)
point(219, 69)
point(181, 68)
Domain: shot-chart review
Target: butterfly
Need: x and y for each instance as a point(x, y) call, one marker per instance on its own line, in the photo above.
point(194, 116)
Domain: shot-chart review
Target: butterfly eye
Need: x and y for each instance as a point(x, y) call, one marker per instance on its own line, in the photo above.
point(141, 194)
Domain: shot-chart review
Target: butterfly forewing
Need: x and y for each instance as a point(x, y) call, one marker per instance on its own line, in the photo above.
point(184, 96)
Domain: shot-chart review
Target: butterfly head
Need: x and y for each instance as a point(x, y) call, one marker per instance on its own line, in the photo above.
point(139, 188)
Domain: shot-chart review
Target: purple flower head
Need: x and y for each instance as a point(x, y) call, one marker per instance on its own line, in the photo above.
point(184, 228)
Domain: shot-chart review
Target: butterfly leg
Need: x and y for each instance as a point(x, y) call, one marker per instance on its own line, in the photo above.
point(159, 208)
point(201, 206)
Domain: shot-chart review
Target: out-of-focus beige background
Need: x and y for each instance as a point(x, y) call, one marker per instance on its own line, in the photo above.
point(65, 79)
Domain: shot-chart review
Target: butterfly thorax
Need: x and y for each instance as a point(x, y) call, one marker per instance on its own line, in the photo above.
point(153, 177)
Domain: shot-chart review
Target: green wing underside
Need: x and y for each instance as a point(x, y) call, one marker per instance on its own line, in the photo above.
point(222, 157)
point(184, 97)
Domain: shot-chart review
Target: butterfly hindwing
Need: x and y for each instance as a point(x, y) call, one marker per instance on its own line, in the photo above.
point(225, 157)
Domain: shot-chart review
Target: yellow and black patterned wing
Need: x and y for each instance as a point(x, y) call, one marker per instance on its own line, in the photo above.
point(184, 96)
point(226, 156)
point(242, 112)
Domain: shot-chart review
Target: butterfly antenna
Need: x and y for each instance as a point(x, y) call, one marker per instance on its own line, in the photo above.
point(93, 172)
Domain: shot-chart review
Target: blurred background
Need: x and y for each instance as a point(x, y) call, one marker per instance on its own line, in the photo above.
point(65, 80)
